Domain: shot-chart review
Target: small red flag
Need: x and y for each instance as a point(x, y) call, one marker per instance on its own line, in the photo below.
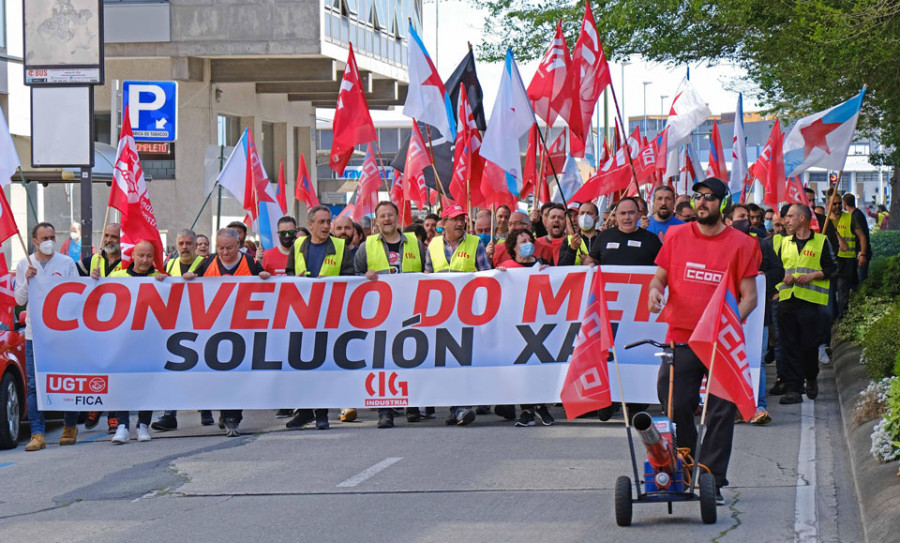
point(414, 189)
point(717, 166)
point(586, 387)
point(281, 190)
point(720, 328)
point(550, 88)
point(775, 177)
point(352, 122)
point(304, 190)
point(367, 191)
point(590, 68)
point(8, 227)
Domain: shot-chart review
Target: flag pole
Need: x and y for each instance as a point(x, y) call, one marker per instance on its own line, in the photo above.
point(624, 138)
point(625, 414)
point(27, 197)
point(556, 177)
point(383, 169)
point(437, 176)
point(712, 364)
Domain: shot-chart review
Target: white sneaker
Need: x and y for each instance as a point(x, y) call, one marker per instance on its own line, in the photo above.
point(824, 359)
point(143, 433)
point(122, 435)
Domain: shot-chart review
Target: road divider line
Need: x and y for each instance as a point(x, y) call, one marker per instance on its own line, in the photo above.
point(369, 472)
point(805, 523)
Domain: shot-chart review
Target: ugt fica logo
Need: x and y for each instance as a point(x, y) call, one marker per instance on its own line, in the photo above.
point(386, 390)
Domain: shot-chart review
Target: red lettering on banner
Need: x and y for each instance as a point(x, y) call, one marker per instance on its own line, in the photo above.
point(121, 307)
point(354, 306)
point(204, 317)
point(335, 305)
point(50, 311)
point(539, 287)
point(77, 384)
point(244, 304)
point(307, 312)
point(641, 311)
point(447, 293)
point(166, 312)
point(388, 385)
point(467, 300)
point(615, 315)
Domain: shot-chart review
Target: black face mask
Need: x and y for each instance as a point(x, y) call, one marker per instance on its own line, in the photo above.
point(743, 225)
point(287, 241)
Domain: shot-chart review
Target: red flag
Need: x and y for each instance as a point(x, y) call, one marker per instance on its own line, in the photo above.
point(281, 189)
point(717, 167)
point(775, 176)
point(493, 177)
point(367, 191)
point(414, 189)
point(794, 194)
point(613, 176)
point(529, 173)
point(256, 181)
point(557, 157)
point(467, 162)
point(129, 195)
point(304, 190)
point(8, 226)
point(550, 89)
point(352, 122)
point(586, 387)
point(7, 297)
point(720, 328)
point(592, 72)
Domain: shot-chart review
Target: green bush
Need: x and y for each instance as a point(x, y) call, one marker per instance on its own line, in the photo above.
point(881, 342)
point(885, 243)
point(864, 311)
point(883, 281)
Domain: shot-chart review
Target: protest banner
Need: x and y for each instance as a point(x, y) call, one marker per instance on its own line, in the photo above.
point(497, 337)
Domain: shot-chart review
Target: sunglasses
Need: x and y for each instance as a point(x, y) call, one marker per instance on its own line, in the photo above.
point(708, 196)
point(287, 232)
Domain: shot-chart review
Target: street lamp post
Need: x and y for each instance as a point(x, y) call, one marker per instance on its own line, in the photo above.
point(662, 110)
point(624, 114)
point(645, 105)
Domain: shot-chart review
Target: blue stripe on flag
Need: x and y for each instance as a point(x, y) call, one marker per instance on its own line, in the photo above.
point(731, 301)
point(264, 226)
point(845, 111)
point(512, 185)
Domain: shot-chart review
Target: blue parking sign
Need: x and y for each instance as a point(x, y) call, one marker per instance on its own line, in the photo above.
point(153, 109)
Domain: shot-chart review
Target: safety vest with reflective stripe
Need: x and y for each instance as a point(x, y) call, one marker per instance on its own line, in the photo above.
point(844, 226)
point(124, 273)
point(463, 259)
point(582, 250)
point(331, 266)
point(776, 243)
point(174, 266)
point(97, 261)
point(796, 264)
point(377, 260)
point(243, 269)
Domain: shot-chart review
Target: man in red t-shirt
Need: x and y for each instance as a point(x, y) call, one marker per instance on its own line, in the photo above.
point(548, 247)
point(275, 259)
point(694, 258)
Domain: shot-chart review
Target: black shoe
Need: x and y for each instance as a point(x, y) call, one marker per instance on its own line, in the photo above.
point(165, 423)
point(221, 422)
point(413, 414)
point(451, 419)
point(429, 413)
point(322, 419)
point(525, 419)
point(206, 418)
point(386, 420)
point(812, 389)
point(92, 419)
point(720, 499)
point(231, 428)
point(791, 397)
point(482, 410)
point(465, 416)
point(507, 412)
point(770, 356)
point(606, 413)
point(301, 419)
point(544, 414)
point(284, 413)
point(778, 388)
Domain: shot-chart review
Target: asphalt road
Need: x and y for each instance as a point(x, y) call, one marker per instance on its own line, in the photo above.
point(418, 482)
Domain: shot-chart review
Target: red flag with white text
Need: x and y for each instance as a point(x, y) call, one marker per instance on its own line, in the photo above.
point(352, 122)
point(304, 190)
point(586, 387)
point(414, 189)
point(591, 71)
point(720, 329)
point(281, 189)
point(7, 297)
point(550, 89)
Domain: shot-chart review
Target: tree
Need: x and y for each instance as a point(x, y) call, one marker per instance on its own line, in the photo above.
point(804, 55)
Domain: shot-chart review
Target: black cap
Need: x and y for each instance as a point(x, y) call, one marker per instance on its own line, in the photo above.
point(715, 185)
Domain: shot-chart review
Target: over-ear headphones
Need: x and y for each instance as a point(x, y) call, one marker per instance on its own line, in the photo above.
point(723, 207)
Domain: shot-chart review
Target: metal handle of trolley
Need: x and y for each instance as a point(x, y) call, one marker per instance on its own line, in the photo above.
point(669, 474)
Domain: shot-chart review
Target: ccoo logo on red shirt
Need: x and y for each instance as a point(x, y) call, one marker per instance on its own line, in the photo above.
point(702, 275)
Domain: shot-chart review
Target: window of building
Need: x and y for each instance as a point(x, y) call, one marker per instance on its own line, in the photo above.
point(268, 150)
point(3, 25)
point(228, 130)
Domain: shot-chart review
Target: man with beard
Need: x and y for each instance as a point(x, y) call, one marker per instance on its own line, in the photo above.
point(431, 223)
point(108, 260)
point(663, 211)
point(241, 230)
point(274, 260)
point(727, 255)
point(342, 227)
point(549, 247)
point(388, 252)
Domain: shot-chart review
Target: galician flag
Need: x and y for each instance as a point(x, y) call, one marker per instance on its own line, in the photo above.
point(511, 119)
point(427, 99)
point(823, 138)
point(739, 169)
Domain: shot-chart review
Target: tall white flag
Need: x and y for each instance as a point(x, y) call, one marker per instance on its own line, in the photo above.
point(739, 170)
point(9, 160)
point(688, 111)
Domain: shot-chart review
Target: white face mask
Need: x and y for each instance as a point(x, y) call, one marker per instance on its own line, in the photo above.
point(47, 247)
point(585, 222)
point(75, 236)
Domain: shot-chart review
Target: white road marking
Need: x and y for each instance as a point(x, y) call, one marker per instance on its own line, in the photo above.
point(805, 524)
point(369, 472)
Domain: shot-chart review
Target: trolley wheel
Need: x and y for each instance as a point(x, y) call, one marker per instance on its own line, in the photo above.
point(623, 501)
point(708, 498)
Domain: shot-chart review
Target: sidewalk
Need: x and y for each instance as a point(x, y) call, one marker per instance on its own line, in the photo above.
point(877, 485)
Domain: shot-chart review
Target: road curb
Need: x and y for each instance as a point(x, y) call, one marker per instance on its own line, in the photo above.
point(877, 485)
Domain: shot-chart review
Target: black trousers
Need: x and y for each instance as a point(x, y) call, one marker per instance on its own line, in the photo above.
point(715, 451)
point(846, 279)
point(144, 417)
point(798, 321)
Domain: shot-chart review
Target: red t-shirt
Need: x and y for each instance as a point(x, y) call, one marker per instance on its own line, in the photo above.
point(274, 261)
point(695, 265)
point(548, 249)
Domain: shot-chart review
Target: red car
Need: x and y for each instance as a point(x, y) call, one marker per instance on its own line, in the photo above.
point(13, 410)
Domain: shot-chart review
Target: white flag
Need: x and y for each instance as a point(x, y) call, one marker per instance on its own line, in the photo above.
point(9, 160)
point(739, 170)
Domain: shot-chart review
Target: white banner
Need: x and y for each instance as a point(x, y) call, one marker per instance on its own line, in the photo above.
point(498, 337)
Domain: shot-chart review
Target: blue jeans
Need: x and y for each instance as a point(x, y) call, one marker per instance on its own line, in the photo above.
point(70, 418)
point(761, 397)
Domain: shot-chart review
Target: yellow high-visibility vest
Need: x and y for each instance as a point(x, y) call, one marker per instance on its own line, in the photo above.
point(463, 260)
point(796, 264)
point(331, 266)
point(97, 261)
point(377, 259)
point(582, 250)
point(173, 268)
point(844, 226)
